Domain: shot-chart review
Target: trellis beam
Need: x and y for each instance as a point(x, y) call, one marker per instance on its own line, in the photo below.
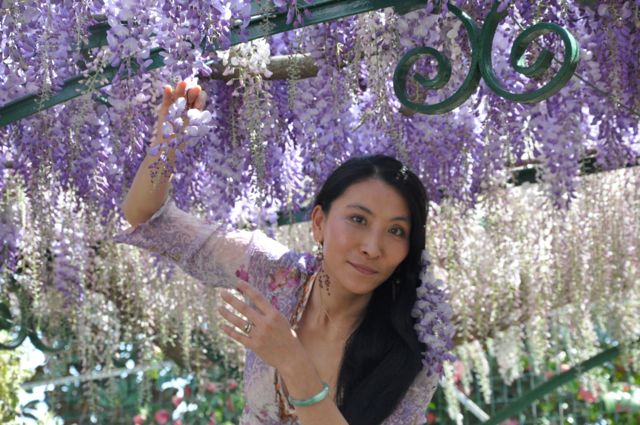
point(94, 376)
point(321, 11)
point(519, 176)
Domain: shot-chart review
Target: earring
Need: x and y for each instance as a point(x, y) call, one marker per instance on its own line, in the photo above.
point(323, 277)
point(325, 282)
point(395, 284)
point(319, 254)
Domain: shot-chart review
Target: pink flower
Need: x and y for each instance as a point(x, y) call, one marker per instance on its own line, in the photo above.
point(510, 422)
point(622, 409)
point(284, 277)
point(187, 391)
point(230, 406)
point(232, 384)
point(162, 417)
point(277, 278)
point(177, 422)
point(138, 420)
point(242, 274)
point(431, 418)
point(564, 367)
point(458, 370)
point(587, 396)
point(211, 387)
point(176, 400)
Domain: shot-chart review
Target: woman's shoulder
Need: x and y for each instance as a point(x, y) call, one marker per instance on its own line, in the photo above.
point(267, 253)
point(279, 272)
point(411, 408)
point(287, 278)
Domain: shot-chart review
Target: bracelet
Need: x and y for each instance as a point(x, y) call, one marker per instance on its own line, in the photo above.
point(311, 400)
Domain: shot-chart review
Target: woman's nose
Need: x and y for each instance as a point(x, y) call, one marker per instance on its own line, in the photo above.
point(372, 245)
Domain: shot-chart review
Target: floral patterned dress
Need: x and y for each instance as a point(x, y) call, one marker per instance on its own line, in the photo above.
point(283, 276)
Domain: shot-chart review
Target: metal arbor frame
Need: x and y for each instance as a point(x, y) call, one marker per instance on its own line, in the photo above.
point(481, 41)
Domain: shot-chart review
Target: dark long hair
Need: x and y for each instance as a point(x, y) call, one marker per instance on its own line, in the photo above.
point(383, 355)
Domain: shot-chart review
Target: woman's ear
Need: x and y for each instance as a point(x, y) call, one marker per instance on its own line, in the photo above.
point(318, 223)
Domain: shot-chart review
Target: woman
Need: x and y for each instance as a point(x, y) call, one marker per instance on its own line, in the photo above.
point(331, 339)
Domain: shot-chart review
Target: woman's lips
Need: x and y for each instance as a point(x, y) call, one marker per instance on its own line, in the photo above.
point(362, 269)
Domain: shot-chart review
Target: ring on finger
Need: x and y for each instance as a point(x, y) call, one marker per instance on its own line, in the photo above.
point(248, 327)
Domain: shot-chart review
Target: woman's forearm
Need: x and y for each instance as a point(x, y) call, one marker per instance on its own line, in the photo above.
point(146, 195)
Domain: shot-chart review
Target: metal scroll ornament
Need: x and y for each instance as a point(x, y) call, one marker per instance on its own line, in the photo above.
point(481, 64)
point(26, 325)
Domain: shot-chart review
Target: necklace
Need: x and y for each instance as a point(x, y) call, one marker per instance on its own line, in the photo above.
point(324, 309)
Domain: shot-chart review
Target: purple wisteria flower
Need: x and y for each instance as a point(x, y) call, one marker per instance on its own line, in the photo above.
point(183, 127)
point(285, 137)
point(433, 320)
point(10, 238)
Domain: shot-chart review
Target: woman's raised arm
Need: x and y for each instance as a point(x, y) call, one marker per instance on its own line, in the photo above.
point(208, 252)
point(145, 196)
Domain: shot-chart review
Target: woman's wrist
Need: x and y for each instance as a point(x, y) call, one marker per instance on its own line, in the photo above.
point(296, 361)
point(300, 375)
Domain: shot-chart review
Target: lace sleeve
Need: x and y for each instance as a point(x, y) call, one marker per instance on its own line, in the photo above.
point(202, 250)
point(412, 408)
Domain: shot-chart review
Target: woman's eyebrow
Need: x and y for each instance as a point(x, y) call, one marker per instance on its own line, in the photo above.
point(368, 211)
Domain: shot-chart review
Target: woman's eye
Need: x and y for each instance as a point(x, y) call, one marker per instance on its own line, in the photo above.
point(398, 231)
point(357, 219)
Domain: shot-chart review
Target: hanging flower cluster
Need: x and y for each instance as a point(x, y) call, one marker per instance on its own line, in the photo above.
point(540, 281)
point(310, 125)
point(515, 269)
point(433, 319)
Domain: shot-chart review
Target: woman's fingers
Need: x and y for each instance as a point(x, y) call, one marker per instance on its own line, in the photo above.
point(241, 307)
point(167, 96)
point(192, 95)
point(195, 97)
point(235, 320)
point(201, 101)
point(238, 336)
point(167, 100)
point(181, 89)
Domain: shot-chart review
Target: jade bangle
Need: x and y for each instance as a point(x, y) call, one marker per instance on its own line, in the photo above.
point(311, 400)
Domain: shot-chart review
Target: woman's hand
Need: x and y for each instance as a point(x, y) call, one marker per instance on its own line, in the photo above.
point(270, 337)
point(195, 98)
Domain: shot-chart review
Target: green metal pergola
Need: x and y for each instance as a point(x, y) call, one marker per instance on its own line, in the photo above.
point(480, 38)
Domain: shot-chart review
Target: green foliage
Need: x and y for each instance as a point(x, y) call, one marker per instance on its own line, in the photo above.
point(161, 394)
point(615, 400)
point(12, 375)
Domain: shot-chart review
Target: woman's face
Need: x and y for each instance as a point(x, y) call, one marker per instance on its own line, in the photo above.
point(365, 236)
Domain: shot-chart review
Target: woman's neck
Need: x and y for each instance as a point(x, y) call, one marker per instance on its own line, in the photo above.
point(338, 314)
